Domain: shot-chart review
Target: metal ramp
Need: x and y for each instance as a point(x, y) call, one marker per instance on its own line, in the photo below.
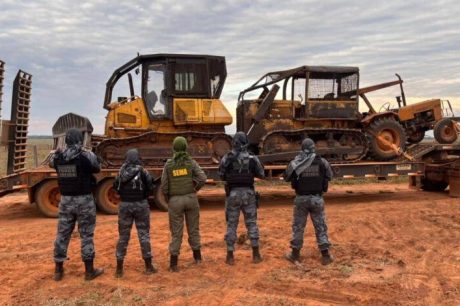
point(417, 151)
point(19, 122)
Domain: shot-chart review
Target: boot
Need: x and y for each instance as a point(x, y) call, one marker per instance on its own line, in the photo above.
point(149, 268)
point(256, 258)
point(197, 256)
point(230, 260)
point(294, 256)
point(173, 263)
point(59, 271)
point(90, 272)
point(119, 272)
point(326, 257)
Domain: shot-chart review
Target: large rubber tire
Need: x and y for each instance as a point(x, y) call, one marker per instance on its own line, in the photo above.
point(444, 131)
point(107, 199)
point(160, 200)
point(428, 185)
point(416, 137)
point(47, 197)
point(392, 131)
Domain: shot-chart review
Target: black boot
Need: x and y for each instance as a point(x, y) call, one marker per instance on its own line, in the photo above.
point(197, 256)
point(149, 268)
point(326, 257)
point(256, 258)
point(294, 256)
point(59, 271)
point(90, 272)
point(230, 260)
point(119, 272)
point(173, 263)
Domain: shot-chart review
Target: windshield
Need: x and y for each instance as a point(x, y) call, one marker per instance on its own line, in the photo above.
point(155, 99)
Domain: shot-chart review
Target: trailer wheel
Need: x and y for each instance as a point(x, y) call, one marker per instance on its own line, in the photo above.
point(444, 131)
point(160, 200)
point(429, 185)
point(47, 197)
point(107, 199)
point(392, 131)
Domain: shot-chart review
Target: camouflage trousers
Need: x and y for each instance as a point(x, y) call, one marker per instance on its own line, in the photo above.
point(73, 209)
point(313, 205)
point(134, 212)
point(181, 206)
point(241, 199)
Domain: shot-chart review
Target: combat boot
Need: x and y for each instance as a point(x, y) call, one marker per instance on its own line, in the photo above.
point(294, 256)
point(256, 258)
point(326, 257)
point(197, 256)
point(90, 272)
point(173, 263)
point(119, 272)
point(149, 268)
point(230, 259)
point(59, 271)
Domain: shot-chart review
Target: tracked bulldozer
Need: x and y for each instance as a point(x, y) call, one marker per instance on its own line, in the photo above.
point(179, 95)
point(322, 102)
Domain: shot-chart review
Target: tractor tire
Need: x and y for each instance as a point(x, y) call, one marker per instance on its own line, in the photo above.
point(107, 199)
point(444, 131)
point(47, 197)
point(160, 200)
point(392, 131)
point(429, 185)
point(416, 137)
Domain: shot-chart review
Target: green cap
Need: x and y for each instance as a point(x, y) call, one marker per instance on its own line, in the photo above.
point(179, 144)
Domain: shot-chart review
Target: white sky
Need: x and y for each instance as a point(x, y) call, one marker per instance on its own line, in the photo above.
point(72, 47)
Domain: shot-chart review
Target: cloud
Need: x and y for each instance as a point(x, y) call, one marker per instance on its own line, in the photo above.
point(72, 47)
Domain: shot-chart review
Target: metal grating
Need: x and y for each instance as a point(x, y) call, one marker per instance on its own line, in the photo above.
point(20, 105)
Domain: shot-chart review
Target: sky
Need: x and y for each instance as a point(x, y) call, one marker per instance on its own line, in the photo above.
point(72, 47)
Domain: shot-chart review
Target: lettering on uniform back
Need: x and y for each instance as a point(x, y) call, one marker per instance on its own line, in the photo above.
point(312, 171)
point(180, 172)
point(67, 171)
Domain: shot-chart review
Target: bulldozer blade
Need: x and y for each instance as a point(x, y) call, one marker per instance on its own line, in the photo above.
point(19, 122)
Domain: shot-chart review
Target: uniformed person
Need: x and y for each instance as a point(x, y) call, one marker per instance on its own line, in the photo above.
point(134, 184)
point(181, 179)
point(238, 169)
point(309, 175)
point(74, 167)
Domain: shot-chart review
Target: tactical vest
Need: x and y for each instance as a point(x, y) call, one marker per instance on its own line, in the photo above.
point(134, 189)
point(240, 173)
point(180, 178)
point(74, 176)
point(312, 180)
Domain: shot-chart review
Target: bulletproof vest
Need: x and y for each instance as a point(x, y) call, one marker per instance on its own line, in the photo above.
point(74, 176)
point(180, 178)
point(134, 189)
point(312, 180)
point(240, 172)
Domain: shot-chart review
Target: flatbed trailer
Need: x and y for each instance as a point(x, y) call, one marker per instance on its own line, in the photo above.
point(433, 167)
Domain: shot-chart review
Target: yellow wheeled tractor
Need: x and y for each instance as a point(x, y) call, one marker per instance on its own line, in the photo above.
point(321, 102)
point(179, 96)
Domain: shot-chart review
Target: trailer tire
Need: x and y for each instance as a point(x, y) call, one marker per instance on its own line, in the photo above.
point(444, 131)
point(429, 185)
point(107, 199)
point(47, 197)
point(160, 200)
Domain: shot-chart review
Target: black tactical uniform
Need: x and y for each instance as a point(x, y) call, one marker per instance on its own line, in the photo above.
point(74, 167)
point(134, 184)
point(238, 169)
point(309, 175)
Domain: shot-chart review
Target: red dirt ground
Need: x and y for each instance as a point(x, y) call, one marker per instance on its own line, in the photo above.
point(392, 246)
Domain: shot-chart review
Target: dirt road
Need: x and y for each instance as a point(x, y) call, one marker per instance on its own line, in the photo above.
point(391, 245)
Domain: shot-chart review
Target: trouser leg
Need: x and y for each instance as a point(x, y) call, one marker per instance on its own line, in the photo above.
point(66, 225)
point(86, 226)
point(176, 224)
point(192, 221)
point(232, 212)
point(249, 209)
point(299, 221)
point(318, 218)
point(142, 217)
point(125, 223)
